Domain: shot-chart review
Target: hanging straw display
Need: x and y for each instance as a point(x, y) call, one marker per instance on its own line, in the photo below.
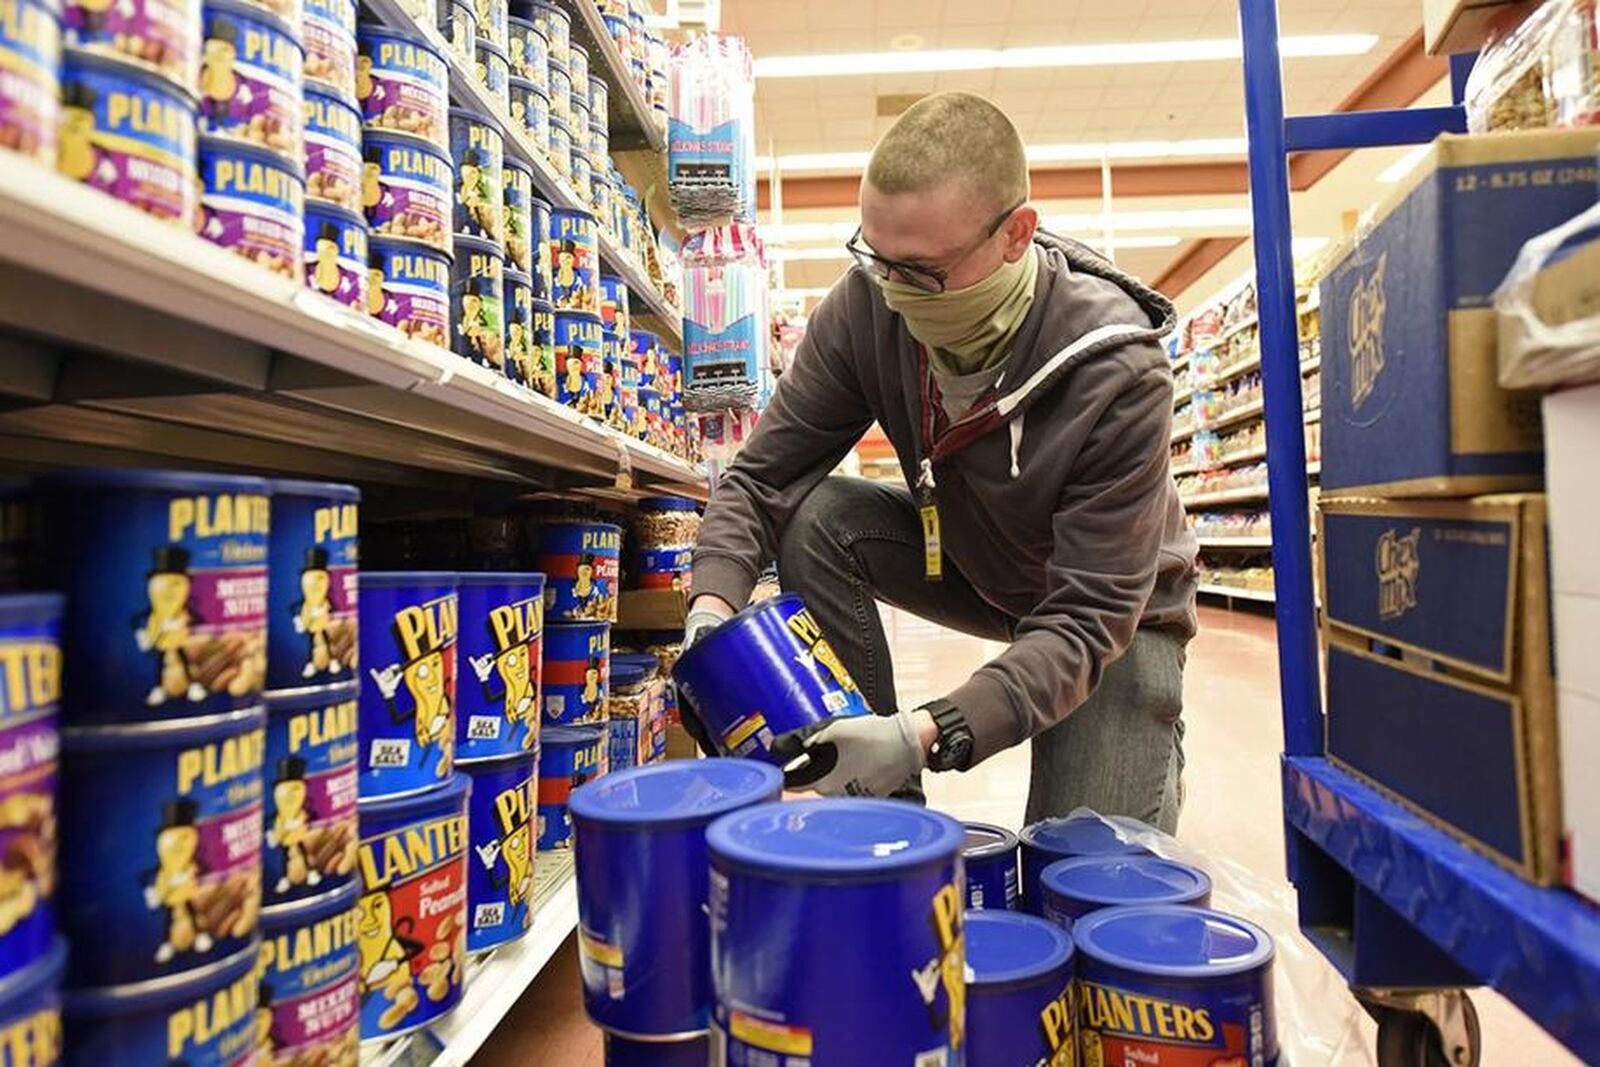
point(711, 132)
point(725, 332)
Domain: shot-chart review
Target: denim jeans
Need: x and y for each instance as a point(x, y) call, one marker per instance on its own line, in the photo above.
point(853, 542)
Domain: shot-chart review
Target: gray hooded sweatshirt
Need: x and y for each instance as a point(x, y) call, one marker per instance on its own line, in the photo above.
point(1055, 492)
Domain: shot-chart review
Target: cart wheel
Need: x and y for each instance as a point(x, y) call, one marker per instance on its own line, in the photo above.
point(1414, 1039)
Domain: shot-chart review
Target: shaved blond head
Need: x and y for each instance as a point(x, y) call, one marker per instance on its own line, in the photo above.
point(953, 137)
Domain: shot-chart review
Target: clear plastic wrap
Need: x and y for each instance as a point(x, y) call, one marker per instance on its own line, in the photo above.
point(1508, 88)
point(1535, 354)
point(1573, 64)
point(1319, 1022)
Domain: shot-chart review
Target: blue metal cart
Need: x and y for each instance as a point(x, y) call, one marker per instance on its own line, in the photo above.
point(1410, 917)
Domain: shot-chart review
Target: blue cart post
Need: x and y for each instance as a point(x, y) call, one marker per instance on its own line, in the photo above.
point(1409, 916)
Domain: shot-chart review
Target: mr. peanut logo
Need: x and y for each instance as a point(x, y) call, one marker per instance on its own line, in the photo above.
point(1367, 307)
point(1398, 562)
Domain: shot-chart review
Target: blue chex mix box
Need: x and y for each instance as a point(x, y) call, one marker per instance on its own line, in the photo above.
point(1440, 689)
point(1411, 400)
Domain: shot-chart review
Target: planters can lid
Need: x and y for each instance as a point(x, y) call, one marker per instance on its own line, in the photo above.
point(209, 146)
point(447, 795)
point(378, 242)
point(624, 675)
point(1126, 880)
point(388, 579)
point(162, 733)
point(667, 503)
point(835, 840)
point(1010, 948)
point(368, 30)
point(333, 490)
point(22, 608)
point(528, 86)
point(483, 44)
point(500, 578)
point(558, 520)
point(174, 481)
point(246, 10)
point(985, 840)
point(1079, 835)
point(472, 114)
point(311, 909)
point(319, 696)
point(514, 163)
point(160, 993)
point(677, 793)
point(644, 660)
point(373, 136)
point(41, 973)
point(569, 735)
point(1172, 941)
point(467, 243)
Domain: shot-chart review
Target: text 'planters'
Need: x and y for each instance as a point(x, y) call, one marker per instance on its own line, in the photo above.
point(408, 688)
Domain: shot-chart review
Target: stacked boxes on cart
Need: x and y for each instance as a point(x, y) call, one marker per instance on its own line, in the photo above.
point(322, 147)
point(267, 844)
point(1437, 619)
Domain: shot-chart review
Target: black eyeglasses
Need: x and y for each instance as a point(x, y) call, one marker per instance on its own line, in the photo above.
point(928, 279)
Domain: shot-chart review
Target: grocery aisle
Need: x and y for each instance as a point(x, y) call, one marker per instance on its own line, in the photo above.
point(1232, 810)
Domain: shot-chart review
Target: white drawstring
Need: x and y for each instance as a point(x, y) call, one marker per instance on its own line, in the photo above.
point(1016, 444)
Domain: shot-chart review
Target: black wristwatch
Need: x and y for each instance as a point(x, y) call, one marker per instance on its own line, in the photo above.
point(952, 748)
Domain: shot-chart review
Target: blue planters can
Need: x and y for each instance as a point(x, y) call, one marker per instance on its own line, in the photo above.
point(1212, 972)
point(311, 586)
point(643, 945)
point(30, 1010)
point(621, 1052)
point(408, 692)
point(500, 863)
point(577, 672)
point(868, 893)
point(990, 854)
point(579, 361)
point(411, 920)
point(622, 743)
point(582, 563)
point(1073, 888)
point(309, 1002)
point(206, 1020)
point(764, 680)
point(568, 757)
point(310, 769)
point(171, 814)
point(1019, 993)
point(166, 578)
point(1062, 838)
point(30, 694)
point(502, 646)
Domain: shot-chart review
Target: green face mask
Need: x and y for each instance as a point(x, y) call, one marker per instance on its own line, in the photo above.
point(968, 329)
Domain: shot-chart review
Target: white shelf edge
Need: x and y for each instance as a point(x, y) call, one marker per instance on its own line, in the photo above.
point(1238, 594)
point(1238, 327)
point(1244, 495)
point(1235, 542)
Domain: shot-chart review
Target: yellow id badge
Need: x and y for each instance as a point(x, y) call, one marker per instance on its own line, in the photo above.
point(932, 553)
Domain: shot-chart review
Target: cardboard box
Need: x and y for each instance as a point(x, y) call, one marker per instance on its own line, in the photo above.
point(1440, 690)
point(652, 609)
point(1459, 25)
point(1572, 438)
point(1410, 393)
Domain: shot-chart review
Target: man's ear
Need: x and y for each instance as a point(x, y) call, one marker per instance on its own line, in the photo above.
point(1019, 231)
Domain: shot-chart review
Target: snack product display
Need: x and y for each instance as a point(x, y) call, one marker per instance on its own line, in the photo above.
point(576, 679)
point(408, 685)
point(162, 36)
point(252, 201)
point(458, 21)
point(408, 286)
point(540, 232)
point(334, 172)
point(477, 302)
point(402, 83)
point(328, 32)
point(530, 109)
point(406, 189)
point(574, 261)
point(309, 997)
point(494, 71)
point(128, 132)
point(336, 254)
point(500, 865)
point(579, 356)
point(552, 21)
point(478, 151)
point(560, 95)
point(176, 885)
point(310, 810)
point(30, 1013)
point(411, 921)
point(30, 78)
point(544, 348)
point(502, 654)
point(569, 756)
point(492, 16)
point(528, 52)
point(250, 78)
point(522, 364)
point(516, 194)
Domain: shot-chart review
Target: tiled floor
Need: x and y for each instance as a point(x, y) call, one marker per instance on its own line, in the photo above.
point(1232, 812)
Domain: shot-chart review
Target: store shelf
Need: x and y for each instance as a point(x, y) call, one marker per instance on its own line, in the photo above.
point(1235, 542)
point(1313, 415)
point(1238, 593)
point(1187, 468)
point(1309, 365)
point(1182, 435)
point(628, 112)
point(1238, 327)
point(1245, 495)
point(1238, 415)
point(495, 980)
point(466, 91)
point(1182, 394)
point(1251, 455)
point(1538, 947)
point(127, 335)
point(1179, 362)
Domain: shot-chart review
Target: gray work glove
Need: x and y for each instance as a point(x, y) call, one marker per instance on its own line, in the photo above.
point(700, 622)
point(875, 754)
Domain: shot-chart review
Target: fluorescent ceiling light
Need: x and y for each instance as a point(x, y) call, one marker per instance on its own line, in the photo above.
point(1407, 163)
point(1080, 152)
point(1072, 55)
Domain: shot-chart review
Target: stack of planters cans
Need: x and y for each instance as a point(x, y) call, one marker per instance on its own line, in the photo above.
point(574, 251)
point(477, 281)
point(619, 404)
point(163, 741)
point(335, 226)
point(581, 559)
